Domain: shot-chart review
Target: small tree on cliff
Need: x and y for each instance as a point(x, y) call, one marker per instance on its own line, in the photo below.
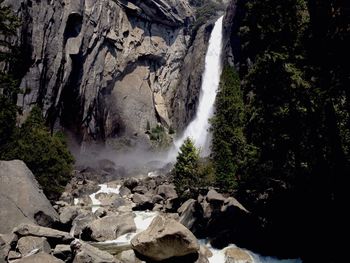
point(186, 175)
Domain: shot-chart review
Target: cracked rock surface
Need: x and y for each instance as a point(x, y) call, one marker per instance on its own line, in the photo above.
point(105, 68)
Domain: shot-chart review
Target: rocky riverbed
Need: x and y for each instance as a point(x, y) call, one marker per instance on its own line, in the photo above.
point(125, 219)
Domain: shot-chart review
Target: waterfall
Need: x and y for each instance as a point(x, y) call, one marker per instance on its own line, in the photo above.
point(198, 129)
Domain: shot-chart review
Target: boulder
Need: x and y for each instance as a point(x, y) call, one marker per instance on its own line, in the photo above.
point(30, 206)
point(13, 255)
point(68, 214)
point(143, 202)
point(205, 251)
point(63, 252)
point(109, 227)
point(38, 231)
point(119, 202)
point(156, 199)
point(140, 189)
point(187, 213)
point(128, 256)
point(167, 191)
point(237, 255)
point(164, 239)
point(101, 212)
point(232, 204)
point(81, 221)
point(215, 197)
point(6, 243)
point(157, 208)
point(124, 191)
point(171, 205)
point(39, 258)
point(27, 244)
point(151, 184)
point(85, 253)
point(131, 183)
point(207, 209)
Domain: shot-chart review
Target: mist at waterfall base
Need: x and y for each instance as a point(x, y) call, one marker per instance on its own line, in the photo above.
point(140, 157)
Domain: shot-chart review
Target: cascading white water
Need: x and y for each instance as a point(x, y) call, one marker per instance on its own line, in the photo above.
point(198, 129)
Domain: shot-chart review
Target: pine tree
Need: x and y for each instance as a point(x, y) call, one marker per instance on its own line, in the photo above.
point(228, 145)
point(46, 155)
point(186, 176)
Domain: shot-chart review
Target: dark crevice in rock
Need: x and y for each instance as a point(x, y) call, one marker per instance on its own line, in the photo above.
point(71, 114)
point(73, 27)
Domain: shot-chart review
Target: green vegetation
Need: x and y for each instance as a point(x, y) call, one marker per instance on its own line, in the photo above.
point(289, 114)
point(159, 136)
point(46, 155)
point(186, 174)
point(285, 126)
point(158, 133)
point(206, 10)
point(229, 147)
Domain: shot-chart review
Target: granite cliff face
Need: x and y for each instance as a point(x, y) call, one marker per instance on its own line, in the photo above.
point(104, 69)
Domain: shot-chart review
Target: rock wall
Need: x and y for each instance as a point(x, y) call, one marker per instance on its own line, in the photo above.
point(104, 69)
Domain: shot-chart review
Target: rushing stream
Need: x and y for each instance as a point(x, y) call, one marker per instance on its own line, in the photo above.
point(143, 219)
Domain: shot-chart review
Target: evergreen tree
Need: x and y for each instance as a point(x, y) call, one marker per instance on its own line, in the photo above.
point(228, 145)
point(293, 64)
point(186, 175)
point(46, 155)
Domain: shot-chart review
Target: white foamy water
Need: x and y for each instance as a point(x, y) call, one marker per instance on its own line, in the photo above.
point(142, 220)
point(219, 255)
point(198, 129)
point(96, 204)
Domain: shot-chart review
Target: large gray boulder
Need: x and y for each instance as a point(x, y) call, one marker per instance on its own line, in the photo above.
point(164, 239)
point(38, 231)
point(81, 222)
point(26, 245)
point(85, 253)
point(143, 202)
point(21, 198)
point(110, 227)
point(187, 213)
point(68, 214)
point(167, 191)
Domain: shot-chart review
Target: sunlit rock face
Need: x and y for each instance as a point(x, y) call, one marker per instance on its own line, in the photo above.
point(106, 68)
